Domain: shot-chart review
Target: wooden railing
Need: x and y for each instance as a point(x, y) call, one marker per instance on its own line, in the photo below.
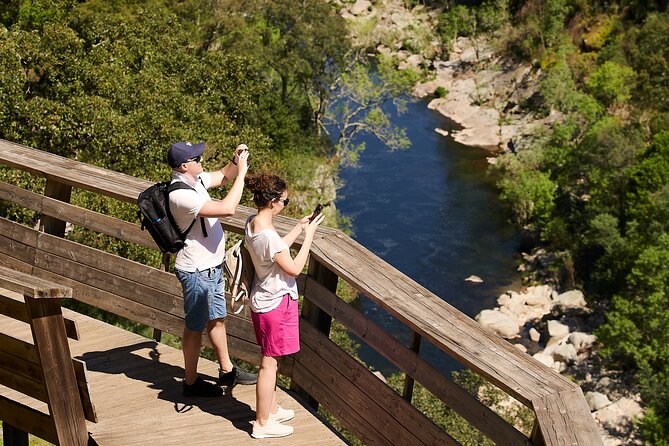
point(41, 367)
point(322, 372)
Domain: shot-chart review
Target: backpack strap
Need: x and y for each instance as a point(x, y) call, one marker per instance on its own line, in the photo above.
point(181, 185)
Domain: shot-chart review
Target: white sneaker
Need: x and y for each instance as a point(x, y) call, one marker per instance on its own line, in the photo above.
point(282, 415)
point(271, 430)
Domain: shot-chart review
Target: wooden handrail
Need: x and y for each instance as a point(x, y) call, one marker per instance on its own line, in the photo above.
point(557, 402)
point(43, 370)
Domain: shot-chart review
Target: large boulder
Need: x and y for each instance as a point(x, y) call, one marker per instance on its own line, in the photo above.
point(571, 299)
point(360, 7)
point(500, 323)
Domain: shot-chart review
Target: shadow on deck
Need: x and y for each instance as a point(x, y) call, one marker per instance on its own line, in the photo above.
point(135, 384)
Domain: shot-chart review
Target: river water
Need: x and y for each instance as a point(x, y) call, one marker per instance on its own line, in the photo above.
point(433, 213)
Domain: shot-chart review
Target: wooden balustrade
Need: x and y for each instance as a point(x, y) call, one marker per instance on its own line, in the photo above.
point(321, 371)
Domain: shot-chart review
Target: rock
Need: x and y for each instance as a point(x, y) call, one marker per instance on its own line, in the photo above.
point(360, 7)
point(545, 359)
point(571, 299)
point(445, 133)
point(474, 278)
point(596, 400)
point(557, 329)
point(498, 322)
point(581, 341)
point(539, 295)
point(534, 335)
point(414, 60)
point(618, 413)
point(503, 299)
point(565, 353)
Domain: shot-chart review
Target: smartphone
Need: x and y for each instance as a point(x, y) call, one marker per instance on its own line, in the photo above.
point(318, 210)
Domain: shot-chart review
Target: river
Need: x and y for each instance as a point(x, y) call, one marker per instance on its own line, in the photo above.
point(433, 213)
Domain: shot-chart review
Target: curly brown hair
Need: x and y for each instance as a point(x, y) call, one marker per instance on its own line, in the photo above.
point(265, 187)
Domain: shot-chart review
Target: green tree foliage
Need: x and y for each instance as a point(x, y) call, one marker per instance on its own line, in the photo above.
point(531, 194)
point(115, 83)
point(356, 106)
point(597, 186)
point(648, 51)
point(611, 83)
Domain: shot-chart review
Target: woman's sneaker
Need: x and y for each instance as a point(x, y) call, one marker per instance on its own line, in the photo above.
point(282, 415)
point(201, 388)
point(271, 429)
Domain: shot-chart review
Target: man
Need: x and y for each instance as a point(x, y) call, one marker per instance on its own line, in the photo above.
point(198, 264)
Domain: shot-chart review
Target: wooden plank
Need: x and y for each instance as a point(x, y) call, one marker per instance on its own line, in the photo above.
point(59, 191)
point(479, 416)
point(25, 385)
point(336, 403)
point(71, 172)
point(448, 329)
point(63, 395)
point(144, 280)
point(16, 347)
point(76, 215)
point(14, 308)
point(366, 394)
point(565, 419)
point(19, 367)
point(84, 390)
point(30, 286)
point(27, 419)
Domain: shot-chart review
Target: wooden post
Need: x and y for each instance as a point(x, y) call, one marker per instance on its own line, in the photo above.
point(165, 265)
point(315, 316)
point(48, 327)
point(12, 436)
point(59, 191)
point(408, 380)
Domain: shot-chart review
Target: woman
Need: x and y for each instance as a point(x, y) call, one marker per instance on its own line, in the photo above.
point(273, 298)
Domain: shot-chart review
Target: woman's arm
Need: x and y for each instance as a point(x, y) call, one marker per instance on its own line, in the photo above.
point(295, 266)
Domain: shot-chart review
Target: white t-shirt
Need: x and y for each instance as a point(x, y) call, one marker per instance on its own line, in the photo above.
point(271, 283)
point(199, 252)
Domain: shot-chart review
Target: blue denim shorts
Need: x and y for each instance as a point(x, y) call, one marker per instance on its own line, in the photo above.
point(204, 296)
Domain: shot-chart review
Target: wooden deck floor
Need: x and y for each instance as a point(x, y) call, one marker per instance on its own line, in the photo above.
point(135, 384)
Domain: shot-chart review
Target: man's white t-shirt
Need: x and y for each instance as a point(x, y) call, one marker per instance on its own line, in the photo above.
point(199, 252)
point(271, 283)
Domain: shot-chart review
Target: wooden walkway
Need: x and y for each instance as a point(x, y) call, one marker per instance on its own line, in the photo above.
point(135, 384)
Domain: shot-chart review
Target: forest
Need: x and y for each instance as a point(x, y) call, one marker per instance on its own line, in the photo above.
point(115, 83)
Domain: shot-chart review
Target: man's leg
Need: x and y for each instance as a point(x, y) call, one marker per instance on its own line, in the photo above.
point(219, 339)
point(192, 342)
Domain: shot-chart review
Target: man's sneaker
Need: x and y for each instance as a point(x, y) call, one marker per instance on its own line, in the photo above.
point(202, 388)
point(271, 430)
point(236, 376)
point(282, 415)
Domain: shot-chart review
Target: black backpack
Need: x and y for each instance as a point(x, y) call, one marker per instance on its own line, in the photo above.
point(154, 214)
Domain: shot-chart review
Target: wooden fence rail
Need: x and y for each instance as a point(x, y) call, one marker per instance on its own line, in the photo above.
point(322, 372)
point(42, 369)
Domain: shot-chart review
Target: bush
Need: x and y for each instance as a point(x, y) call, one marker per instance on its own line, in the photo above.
point(440, 92)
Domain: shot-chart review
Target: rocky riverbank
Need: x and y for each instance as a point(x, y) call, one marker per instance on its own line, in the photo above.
point(556, 329)
point(485, 94)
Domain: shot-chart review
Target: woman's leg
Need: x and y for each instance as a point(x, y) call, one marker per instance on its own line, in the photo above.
point(265, 389)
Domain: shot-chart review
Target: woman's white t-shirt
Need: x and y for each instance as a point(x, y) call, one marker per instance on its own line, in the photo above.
point(271, 283)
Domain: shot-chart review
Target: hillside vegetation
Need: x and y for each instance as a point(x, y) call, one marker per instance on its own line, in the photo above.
point(595, 188)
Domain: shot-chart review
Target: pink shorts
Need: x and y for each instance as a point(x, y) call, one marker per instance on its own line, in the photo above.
point(278, 330)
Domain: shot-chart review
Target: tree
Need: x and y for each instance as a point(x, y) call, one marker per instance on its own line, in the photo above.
point(356, 104)
point(612, 83)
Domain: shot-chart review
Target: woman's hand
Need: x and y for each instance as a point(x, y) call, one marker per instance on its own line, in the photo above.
point(304, 221)
point(313, 225)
